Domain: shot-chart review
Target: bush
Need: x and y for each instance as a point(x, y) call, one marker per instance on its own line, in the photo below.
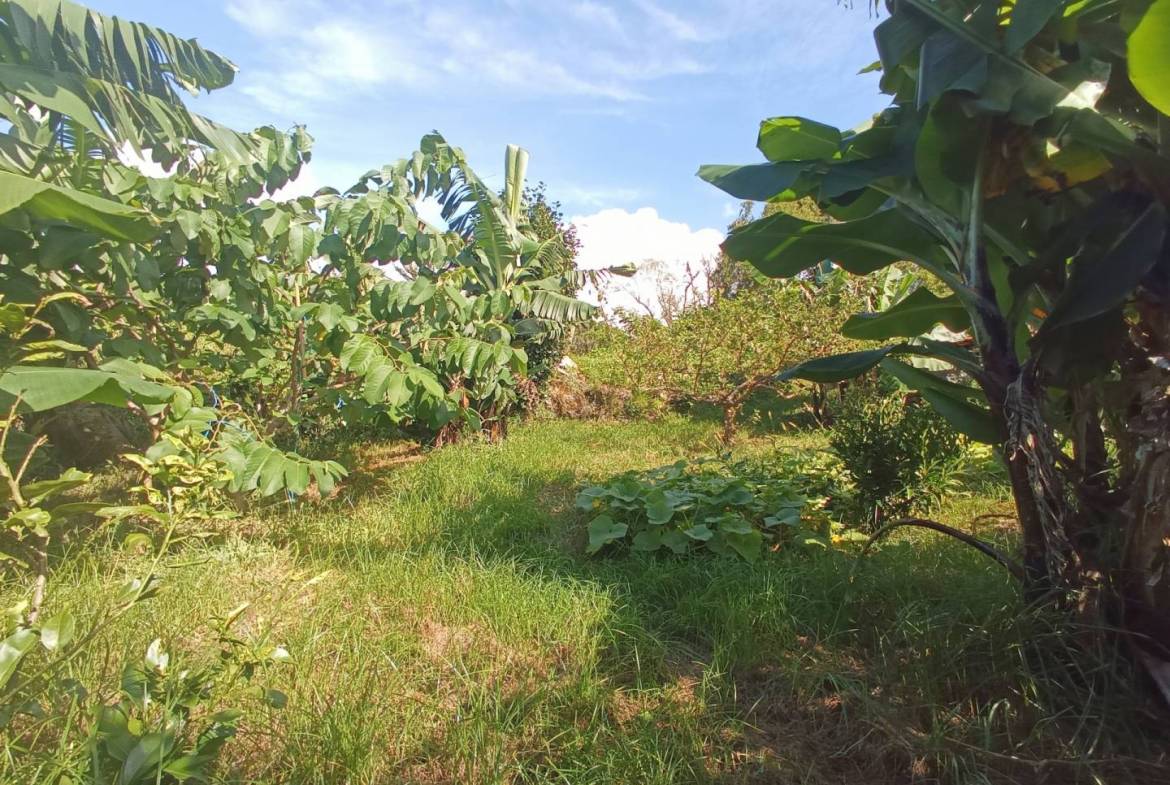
point(900, 455)
point(715, 505)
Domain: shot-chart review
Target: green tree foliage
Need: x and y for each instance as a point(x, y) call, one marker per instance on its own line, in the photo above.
point(1022, 163)
point(545, 221)
point(276, 313)
point(225, 320)
point(900, 454)
point(722, 351)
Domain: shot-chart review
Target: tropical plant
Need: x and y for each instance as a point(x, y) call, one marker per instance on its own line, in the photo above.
point(1023, 163)
point(543, 217)
point(274, 312)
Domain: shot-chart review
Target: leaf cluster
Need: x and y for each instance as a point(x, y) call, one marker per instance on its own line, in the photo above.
point(740, 508)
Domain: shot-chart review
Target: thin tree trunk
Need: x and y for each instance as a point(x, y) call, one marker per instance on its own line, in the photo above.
point(730, 414)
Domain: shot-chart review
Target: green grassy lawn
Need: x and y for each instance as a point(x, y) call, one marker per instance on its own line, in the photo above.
point(445, 627)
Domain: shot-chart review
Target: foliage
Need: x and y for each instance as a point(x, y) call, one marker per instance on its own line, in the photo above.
point(1023, 164)
point(546, 222)
point(167, 723)
point(63, 725)
point(725, 507)
point(900, 455)
point(726, 350)
point(277, 312)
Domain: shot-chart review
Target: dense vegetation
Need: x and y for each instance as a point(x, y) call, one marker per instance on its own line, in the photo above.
point(1022, 163)
point(233, 550)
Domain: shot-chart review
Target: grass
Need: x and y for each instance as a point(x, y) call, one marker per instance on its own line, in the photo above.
point(446, 627)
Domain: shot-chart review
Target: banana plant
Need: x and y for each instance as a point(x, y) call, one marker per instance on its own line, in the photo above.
point(116, 79)
point(1023, 163)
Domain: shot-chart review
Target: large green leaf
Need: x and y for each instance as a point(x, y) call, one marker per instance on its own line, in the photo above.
point(116, 78)
point(973, 421)
point(962, 406)
point(900, 35)
point(602, 531)
point(944, 156)
point(948, 62)
point(782, 246)
point(914, 315)
point(50, 90)
point(1100, 284)
point(12, 650)
point(1149, 55)
point(67, 36)
point(956, 356)
point(756, 182)
point(839, 367)
point(41, 388)
point(797, 139)
point(559, 307)
point(920, 379)
point(54, 203)
point(495, 236)
point(659, 509)
point(515, 167)
point(1028, 18)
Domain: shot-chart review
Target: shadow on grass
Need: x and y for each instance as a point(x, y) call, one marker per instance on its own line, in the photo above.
point(905, 668)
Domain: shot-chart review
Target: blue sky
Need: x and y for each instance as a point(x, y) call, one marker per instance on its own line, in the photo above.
point(618, 102)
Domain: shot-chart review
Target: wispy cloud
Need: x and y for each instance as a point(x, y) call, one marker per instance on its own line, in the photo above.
point(597, 14)
point(592, 197)
point(674, 25)
point(313, 50)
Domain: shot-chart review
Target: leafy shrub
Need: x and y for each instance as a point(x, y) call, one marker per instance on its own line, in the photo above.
point(168, 723)
point(900, 455)
point(714, 505)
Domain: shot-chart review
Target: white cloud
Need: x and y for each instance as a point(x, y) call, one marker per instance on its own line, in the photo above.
point(660, 249)
point(260, 16)
point(312, 58)
point(598, 196)
point(142, 162)
point(313, 50)
point(306, 184)
point(597, 14)
point(672, 23)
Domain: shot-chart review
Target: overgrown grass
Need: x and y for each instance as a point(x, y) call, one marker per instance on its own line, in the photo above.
point(446, 628)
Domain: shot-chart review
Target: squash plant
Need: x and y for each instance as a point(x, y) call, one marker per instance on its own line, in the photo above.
point(716, 505)
point(1023, 162)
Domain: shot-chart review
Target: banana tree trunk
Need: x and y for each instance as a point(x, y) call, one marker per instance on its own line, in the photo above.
point(1144, 570)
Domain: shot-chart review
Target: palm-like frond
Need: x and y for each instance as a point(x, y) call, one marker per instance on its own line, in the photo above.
point(60, 36)
point(495, 236)
point(115, 78)
point(557, 307)
point(515, 168)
